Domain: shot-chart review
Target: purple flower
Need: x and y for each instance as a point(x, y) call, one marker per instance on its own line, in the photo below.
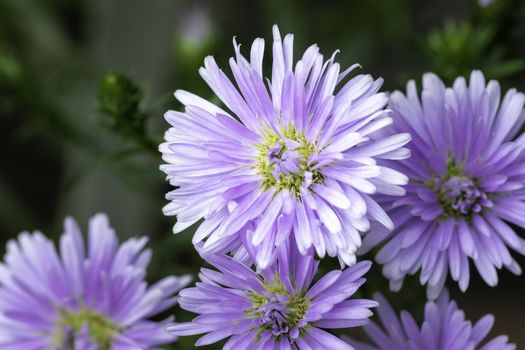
point(444, 328)
point(298, 153)
point(467, 176)
point(78, 299)
point(485, 3)
point(275, 308)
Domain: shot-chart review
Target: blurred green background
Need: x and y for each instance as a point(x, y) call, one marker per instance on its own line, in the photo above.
point(84, 85)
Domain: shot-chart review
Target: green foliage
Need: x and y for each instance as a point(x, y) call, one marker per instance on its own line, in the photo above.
point(10, 69)
point(460, 47)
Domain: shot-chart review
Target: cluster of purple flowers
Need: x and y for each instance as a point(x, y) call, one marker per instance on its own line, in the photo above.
point(311, 163)
point(304, 164)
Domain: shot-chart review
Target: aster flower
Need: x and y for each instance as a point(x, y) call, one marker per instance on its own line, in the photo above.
point(485, 3)
point(298, 155)
point(467, 176)
point(86, 300)
point(276, 308)
point(444, 328)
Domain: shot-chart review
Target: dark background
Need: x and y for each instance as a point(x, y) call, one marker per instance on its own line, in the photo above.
point(67, 148)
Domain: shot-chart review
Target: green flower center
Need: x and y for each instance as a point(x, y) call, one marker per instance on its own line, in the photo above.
point(101, 328)
point(286, 162)
point(278, 311)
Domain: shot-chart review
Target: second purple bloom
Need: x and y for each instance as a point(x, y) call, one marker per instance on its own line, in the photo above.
point(467, 178)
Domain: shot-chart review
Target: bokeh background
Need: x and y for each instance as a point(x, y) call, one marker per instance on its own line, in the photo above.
point(84, 85)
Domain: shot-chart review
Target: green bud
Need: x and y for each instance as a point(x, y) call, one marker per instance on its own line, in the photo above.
point(119, 101)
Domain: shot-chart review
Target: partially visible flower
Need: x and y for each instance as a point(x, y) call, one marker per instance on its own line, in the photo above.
point(486, 3)
point(94, 300)
point(467, 177)
point(276, 308)
point(195, 30)
point(444, 328)
point(298, 155)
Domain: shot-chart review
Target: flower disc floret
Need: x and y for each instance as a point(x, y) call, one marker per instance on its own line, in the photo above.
point(288, 162)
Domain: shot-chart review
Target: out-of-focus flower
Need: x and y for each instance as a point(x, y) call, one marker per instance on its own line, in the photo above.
point(298, 155)
point(467, 176)
point(444, 328)
point(90, 300)
point(195, 31)
point(486, 3)
point(276, 308)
